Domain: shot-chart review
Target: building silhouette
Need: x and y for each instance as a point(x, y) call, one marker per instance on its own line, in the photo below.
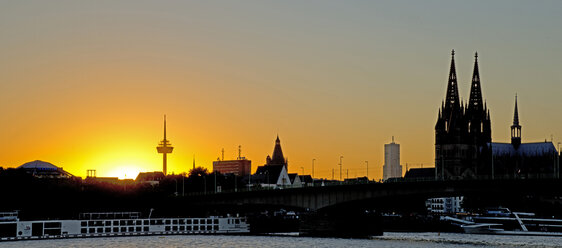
point(462, 131)
point(274, 172)
point(42, 169)
point(524, 160)
point(239, 167)
point(463, 140)
point(391, 167)
point(277, 157)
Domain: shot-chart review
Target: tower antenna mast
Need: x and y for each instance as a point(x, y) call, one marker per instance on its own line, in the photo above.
point(164, 147)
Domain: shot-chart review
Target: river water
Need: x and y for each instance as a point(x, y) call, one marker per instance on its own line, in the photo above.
point(387, 240)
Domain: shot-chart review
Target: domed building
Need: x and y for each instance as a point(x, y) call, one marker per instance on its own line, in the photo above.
point(42, 169)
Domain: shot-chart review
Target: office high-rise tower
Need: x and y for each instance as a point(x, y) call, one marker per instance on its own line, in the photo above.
point(391, 167)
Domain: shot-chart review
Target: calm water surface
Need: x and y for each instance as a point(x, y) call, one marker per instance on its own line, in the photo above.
point(387, 240)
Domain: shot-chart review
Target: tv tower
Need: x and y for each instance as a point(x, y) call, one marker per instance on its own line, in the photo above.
point(165, 147)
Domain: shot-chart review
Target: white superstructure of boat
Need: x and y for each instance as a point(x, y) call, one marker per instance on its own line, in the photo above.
point(118, 224)
point(504, 222)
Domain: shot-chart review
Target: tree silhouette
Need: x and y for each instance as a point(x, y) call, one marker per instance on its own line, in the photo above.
point(198, 171)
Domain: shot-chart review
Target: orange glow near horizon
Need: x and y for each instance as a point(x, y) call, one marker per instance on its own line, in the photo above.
point(85, 85)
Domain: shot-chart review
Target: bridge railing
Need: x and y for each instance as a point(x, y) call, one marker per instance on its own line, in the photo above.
point(318, 184)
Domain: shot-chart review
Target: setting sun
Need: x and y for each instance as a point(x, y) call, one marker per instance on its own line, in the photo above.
point(124, 171)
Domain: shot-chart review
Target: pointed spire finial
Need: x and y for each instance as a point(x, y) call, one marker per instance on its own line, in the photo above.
point(452, 96)
point(516, 113)
point(475, 100)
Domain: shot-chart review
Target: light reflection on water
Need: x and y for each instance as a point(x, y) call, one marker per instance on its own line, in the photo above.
point(387, 240)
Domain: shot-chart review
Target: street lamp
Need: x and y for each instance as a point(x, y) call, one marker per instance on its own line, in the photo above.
point(367, 162)
point(267, 177)
point(176, 193)
point(204, 183)
point(315, 160)
point(340, 167)
point(250, 181)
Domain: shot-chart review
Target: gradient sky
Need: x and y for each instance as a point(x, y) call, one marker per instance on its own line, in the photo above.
point(85, 84)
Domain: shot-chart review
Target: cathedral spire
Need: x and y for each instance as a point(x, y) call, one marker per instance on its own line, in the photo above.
point(515, 128)
point(516, 113)
point(452, 97)
point(475, 101)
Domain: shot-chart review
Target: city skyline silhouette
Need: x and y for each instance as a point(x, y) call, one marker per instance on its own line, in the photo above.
point(84, 85)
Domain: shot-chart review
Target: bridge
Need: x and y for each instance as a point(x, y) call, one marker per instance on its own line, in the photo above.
point(371, 194)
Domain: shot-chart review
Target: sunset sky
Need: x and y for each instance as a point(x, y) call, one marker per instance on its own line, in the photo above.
point(85, 84)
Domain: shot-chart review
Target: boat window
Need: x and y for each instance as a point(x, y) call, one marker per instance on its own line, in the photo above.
point(189, 228)
point(108, 229)
point(123, 222)
point(83, 230)
point(116, 229)
point(175, 228)
point(84, 223)
point(131, 229)
point(216, 221)
point(100, 230)
point(145, 229)
point(167, 228)
point(138, 228)
point(182, 221)
point(175, 221)
point(182, 228)
point(92, 230)
point(130, 222)
point(196, 228)
point(139, 222)
point(216, 227)
point(188, 221)
point(145, 222)
point(108, 223)
point(195, 221)
point(52, 232)
point(115, 223)
point(123, 229)
point(167, 222)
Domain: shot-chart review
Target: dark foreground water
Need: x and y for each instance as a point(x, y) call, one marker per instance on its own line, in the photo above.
point(387, 240)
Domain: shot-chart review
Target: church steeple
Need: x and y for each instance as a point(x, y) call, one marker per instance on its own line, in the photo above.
point(516, 113)
point(515, 128)
point(475, 101)
point(277, 157)
point(452, 97)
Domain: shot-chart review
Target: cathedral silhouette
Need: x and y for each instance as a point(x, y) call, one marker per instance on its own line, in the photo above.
point(463, 140)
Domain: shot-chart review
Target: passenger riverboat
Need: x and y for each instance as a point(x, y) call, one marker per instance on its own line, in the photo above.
point(116, 224)
point(502, 221)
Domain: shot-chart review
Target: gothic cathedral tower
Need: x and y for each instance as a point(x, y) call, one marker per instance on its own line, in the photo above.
point(462, 133)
